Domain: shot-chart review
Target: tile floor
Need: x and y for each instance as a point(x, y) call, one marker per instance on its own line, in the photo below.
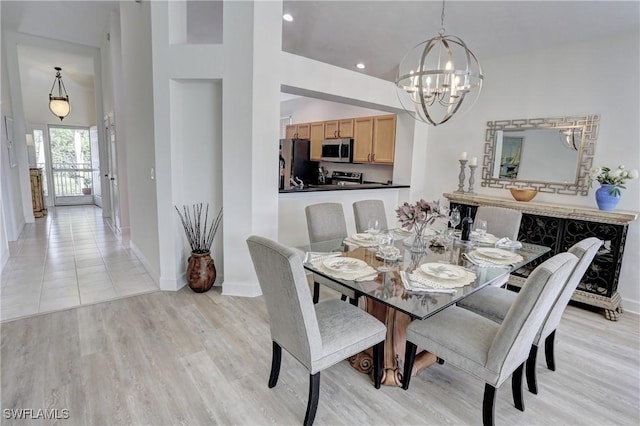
point(66, 259)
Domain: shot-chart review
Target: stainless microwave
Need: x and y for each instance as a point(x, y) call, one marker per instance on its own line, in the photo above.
point(337, 150)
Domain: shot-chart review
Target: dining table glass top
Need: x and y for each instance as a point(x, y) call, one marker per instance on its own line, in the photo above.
point(419, 284)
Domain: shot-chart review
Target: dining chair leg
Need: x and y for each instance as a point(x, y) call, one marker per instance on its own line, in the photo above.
point(312, 404)
point(548, 351)
point(353, 301)
point(488, 405)
point(275, 364)
point(532, 381)
point(378, 354)
point(516, 387)
point(316, 292)
point(409, 358)
point(343, 297)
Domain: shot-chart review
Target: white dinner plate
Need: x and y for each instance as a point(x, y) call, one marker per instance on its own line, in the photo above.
point(344, 264)
point(443, 271)
point(496, 253)
point(486, 238)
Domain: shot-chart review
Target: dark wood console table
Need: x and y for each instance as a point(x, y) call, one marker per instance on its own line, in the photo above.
point(560, 226)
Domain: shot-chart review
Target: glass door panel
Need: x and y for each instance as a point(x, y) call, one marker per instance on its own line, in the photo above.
point(71, 166)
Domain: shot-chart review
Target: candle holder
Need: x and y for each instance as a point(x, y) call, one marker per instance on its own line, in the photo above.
point(460, 190)
point(472, 179)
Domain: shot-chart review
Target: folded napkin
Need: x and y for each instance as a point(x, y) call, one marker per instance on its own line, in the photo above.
point(413, 283)
point(508, 243)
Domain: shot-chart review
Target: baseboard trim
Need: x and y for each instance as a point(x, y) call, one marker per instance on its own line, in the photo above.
point(632, 306)
point(242, 289)
point(155, 276)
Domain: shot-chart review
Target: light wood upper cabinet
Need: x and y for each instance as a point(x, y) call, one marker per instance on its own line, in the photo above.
point(374, 139)
point(338, 128)
point(384, 139)
point(317, 136)
point(300, 131)
point(362, 139)
point(291, 131)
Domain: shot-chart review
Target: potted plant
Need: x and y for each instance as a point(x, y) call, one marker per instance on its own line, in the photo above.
point(201, 271)
point(86, 189)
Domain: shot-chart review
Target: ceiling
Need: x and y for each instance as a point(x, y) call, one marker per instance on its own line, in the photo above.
point(377, 33)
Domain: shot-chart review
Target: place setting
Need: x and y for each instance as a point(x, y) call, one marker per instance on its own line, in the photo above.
point(492, 257)
point(437, 278)
point(346, 268)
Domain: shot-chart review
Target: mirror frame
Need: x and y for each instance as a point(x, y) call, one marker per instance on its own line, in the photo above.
point(589, 126)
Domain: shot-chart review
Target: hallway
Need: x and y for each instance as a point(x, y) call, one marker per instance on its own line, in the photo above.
point(66, 259)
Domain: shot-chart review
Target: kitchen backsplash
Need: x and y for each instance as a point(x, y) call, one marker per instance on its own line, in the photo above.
point(370, 173)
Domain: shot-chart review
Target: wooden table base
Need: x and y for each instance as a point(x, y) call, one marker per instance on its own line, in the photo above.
point(394, 346)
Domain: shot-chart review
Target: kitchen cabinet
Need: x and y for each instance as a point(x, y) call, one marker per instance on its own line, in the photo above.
point(559, 227)
point(362, 139)
point(338, 128)
point(317, 136)
point(374, 139)
point(299, 131)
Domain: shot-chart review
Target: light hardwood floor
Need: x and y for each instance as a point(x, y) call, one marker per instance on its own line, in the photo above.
point(199, 359)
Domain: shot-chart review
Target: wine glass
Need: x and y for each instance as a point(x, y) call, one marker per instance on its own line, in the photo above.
point(454, 218)
point(387, 250)
point(481, 227)
point(373, 228)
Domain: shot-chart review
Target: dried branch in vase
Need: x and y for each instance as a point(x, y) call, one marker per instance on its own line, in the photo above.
point(200, 234)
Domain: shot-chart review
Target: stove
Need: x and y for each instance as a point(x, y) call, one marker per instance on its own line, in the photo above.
point(346, 178)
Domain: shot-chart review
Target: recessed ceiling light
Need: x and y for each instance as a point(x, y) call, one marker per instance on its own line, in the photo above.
point(287, 17)
point(360, 66)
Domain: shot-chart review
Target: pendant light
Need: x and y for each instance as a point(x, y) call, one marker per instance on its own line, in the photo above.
point(59, 105)
point(437, 77)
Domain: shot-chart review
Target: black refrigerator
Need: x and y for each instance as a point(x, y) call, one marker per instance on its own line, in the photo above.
point(295, 163)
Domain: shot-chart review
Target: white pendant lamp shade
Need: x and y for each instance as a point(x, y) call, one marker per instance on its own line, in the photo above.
point(59, 105)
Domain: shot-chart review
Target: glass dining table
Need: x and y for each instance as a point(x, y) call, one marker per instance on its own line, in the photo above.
point(412, 286)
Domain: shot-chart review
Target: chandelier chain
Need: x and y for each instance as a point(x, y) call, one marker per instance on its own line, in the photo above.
point(442, 31)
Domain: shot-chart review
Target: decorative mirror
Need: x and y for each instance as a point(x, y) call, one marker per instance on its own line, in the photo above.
point(551, 155)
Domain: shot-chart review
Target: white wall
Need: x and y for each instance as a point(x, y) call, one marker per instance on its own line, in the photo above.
point(196, 157)
point(563, 80)
point(137, 132)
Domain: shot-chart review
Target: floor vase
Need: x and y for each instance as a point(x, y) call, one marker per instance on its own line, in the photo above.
point(201, 272)
point(605, 199)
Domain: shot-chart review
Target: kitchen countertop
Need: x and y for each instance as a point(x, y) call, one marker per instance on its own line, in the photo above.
point(347, 187)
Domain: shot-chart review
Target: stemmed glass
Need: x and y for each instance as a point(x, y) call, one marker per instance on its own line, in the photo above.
point(481, 227)
point(373, 228)
point(387, 250)
point(454, 218)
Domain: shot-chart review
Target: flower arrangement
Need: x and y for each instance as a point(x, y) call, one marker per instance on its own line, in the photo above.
point(199, 234)
point(418, 215)
point(616, 177)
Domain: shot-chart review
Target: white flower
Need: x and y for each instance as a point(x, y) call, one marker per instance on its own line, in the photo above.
point(633, 174)
point(595, 172)
point(617, 173)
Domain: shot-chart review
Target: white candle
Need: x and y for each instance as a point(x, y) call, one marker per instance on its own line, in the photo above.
point(463, 155)
point(473, 161)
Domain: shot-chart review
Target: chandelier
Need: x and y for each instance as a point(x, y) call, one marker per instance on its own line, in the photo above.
point(59, 105)
point(437, 76)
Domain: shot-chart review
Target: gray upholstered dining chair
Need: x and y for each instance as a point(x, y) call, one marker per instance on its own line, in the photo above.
point(488, 350)
point(325, 221)
point(365, 210)
point(317, 336)
point(494, 303)
point(501, 221)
